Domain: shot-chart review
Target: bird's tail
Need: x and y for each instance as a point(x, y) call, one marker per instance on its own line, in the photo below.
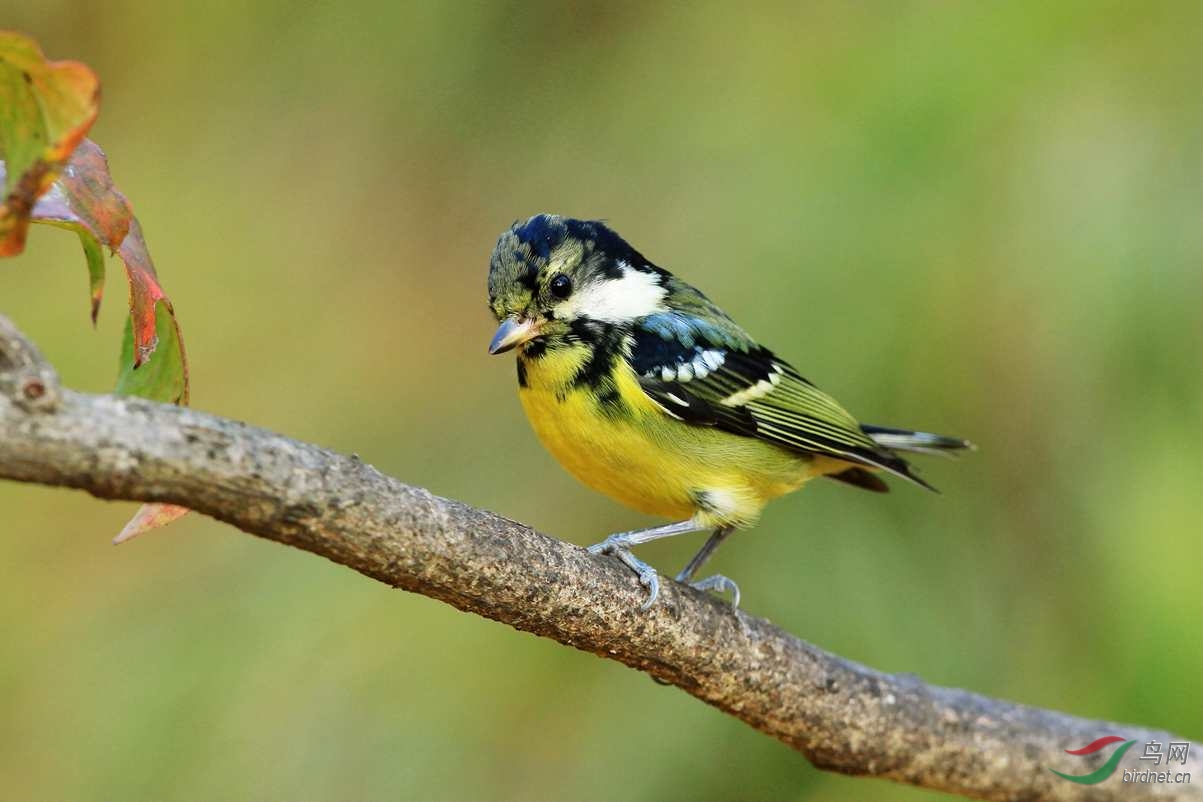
point(917, 442)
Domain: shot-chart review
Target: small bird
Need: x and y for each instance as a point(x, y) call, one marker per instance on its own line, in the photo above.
point(647, 391)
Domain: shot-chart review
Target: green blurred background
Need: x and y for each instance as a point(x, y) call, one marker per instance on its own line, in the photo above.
point(981, 219)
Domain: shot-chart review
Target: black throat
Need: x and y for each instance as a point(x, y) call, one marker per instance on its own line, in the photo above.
point(606, 344)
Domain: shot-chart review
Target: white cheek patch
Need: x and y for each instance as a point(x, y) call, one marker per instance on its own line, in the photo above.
point(636, 294)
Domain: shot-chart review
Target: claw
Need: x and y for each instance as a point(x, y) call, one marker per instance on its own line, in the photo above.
point(651, 581)
point(719, 584)
point(610, 545)
point(618, 546)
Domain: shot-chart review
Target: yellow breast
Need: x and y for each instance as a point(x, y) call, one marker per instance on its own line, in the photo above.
point(633, 452)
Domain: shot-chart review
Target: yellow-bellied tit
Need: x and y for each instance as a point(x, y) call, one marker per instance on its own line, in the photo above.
point(646, 391)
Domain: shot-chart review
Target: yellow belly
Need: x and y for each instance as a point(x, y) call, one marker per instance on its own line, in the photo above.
point(654, 463)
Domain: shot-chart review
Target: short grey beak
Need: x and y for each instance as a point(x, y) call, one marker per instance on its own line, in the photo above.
point(512, 332)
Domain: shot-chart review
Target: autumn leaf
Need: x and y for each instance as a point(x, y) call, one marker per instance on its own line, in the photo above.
point(85, 200)
point(46, 109)
point(148, 517)
point(52, 174)
point(160, 379)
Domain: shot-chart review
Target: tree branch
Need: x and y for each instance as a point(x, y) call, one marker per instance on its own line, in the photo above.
point(842, 716)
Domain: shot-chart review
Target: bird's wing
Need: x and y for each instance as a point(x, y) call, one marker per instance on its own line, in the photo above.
point(706, 371)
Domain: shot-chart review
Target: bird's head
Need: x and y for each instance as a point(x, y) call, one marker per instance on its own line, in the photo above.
point(550, 276)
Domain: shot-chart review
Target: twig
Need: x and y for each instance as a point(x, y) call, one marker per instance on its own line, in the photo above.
point(842, 716)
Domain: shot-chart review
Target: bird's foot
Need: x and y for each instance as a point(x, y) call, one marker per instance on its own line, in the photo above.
point(620, 547)
point(719, 584)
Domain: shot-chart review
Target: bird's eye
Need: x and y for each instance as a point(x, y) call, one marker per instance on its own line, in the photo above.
point(561, 286)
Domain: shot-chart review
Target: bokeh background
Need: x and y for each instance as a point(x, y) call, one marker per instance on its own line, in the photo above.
point(981, 219)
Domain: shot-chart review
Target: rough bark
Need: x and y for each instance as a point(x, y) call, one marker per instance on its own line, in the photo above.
point(840, 715)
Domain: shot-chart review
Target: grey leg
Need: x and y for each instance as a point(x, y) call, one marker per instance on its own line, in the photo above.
point(717, 582)
point(708, 548)
point(636, 537)
point(620, 546)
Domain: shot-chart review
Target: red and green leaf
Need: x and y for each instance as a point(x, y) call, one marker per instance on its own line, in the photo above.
point(53, 174)
point(46, 109)
point(85, 200)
